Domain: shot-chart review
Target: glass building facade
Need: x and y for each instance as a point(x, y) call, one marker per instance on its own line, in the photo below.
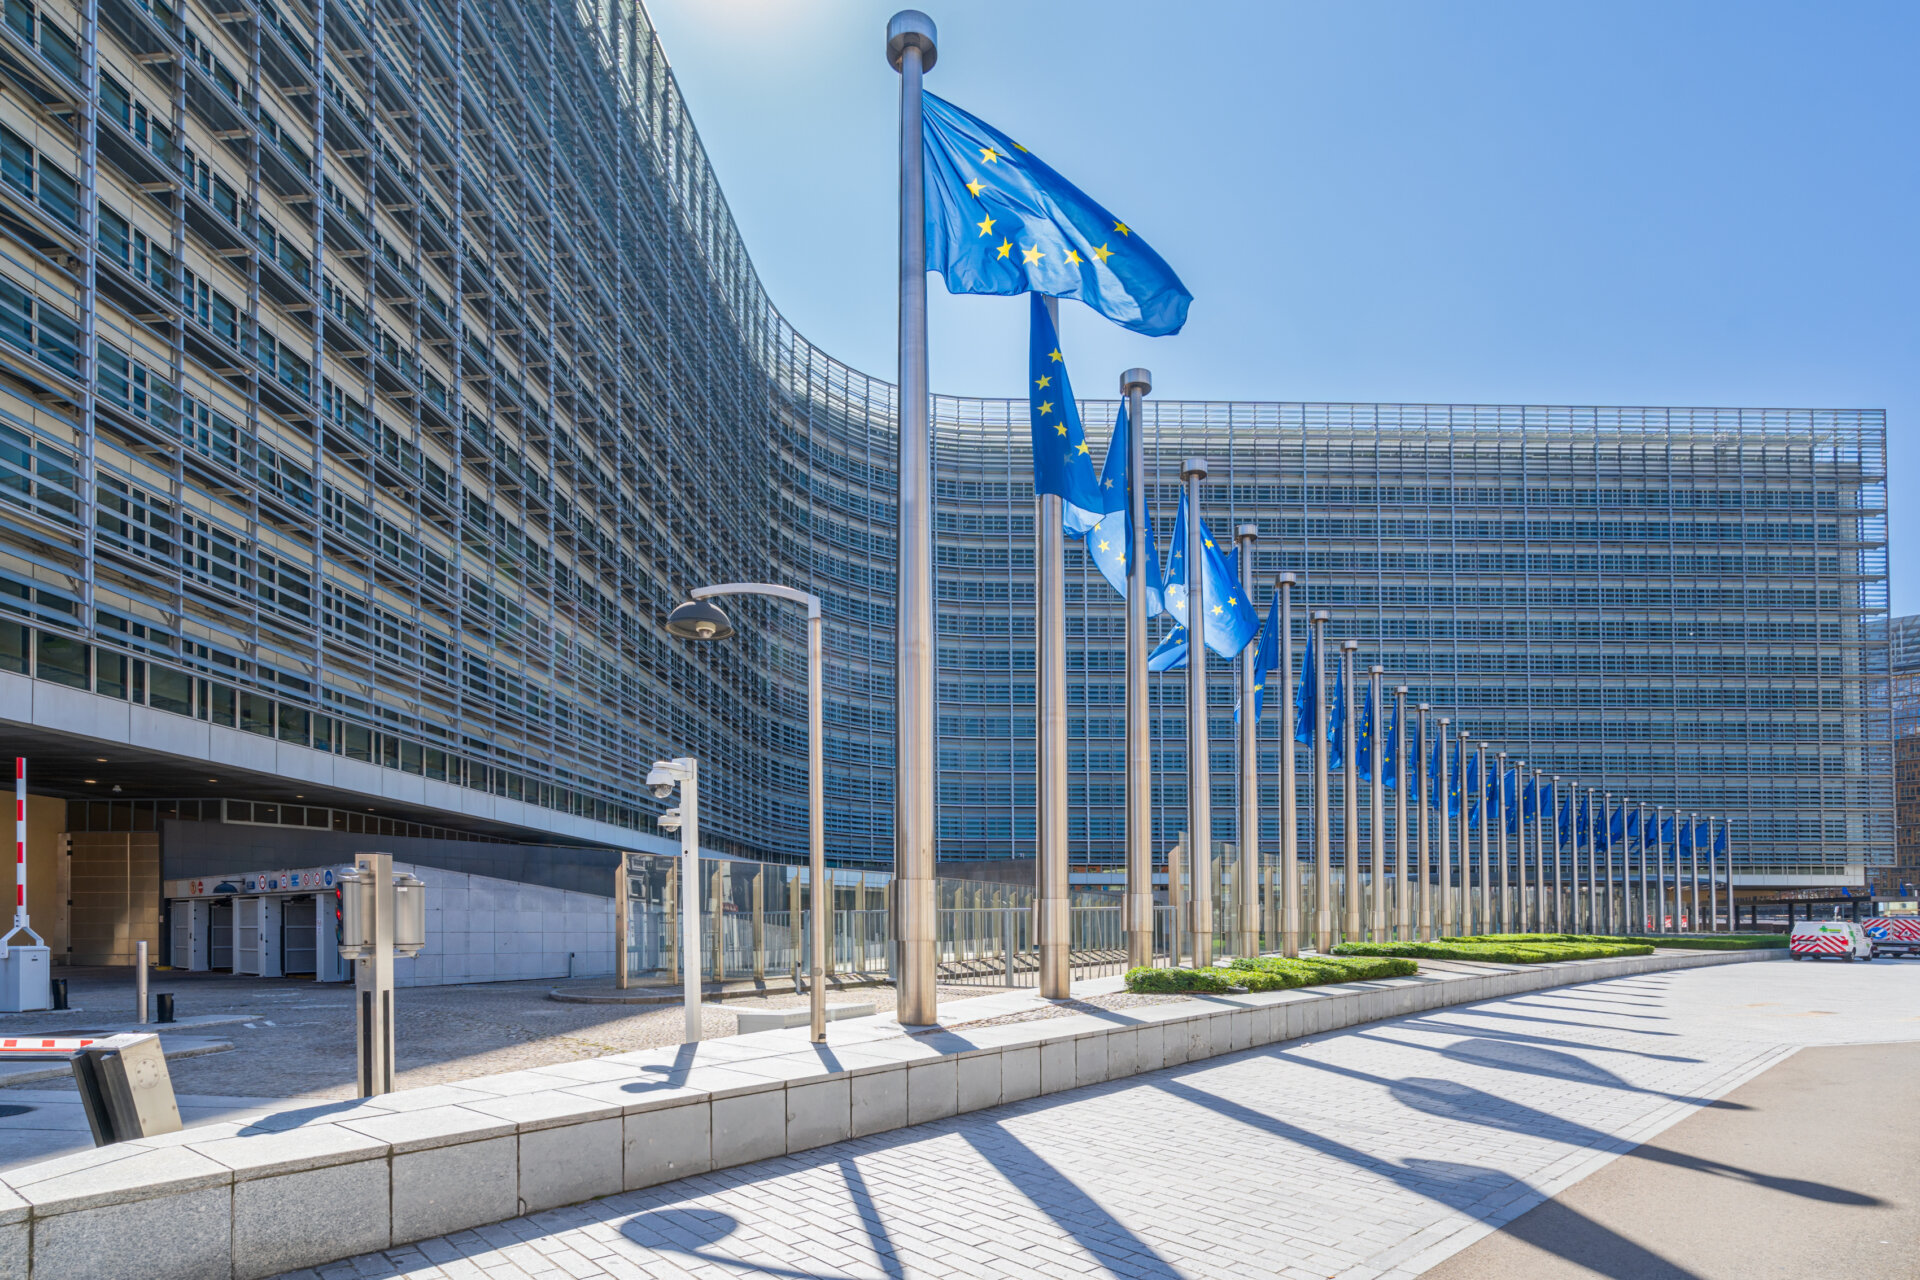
point(375, 375)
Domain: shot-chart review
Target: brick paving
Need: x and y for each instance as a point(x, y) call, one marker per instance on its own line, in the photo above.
point(1373, 1152)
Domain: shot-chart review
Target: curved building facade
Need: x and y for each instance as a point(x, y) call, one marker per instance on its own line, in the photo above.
point(375, 375)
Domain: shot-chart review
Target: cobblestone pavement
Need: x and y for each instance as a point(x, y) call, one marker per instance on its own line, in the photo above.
point(1373, 1152)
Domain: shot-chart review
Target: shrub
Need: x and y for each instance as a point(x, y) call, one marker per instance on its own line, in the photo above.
point(1198, 981)
point(1496, 952)
point(1308, 971)
point(1720, 941)
point(1269, 973)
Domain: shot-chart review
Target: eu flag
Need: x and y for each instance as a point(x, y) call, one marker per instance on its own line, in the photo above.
point(1267, 660)
point(999, 221)
point(1110, 542)
point(1364, 744)
point(1390, 750)
point(1720, 839)
point(1434, 762)
point(1474, 793)
point(1062, 459)
point(1565, 821)
point(1171, 653)
point(1305, 712)
point(1337, 720)
point(1509, 803)
point(1666, 832)
point(1228, 618)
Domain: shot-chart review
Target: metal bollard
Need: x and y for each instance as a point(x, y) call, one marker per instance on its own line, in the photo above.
point(140, 976)
point(164, 1002)
point(59, 988)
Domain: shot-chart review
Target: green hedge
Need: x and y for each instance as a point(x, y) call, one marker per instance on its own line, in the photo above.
point(1269, 973)
point(1503, 952)
point(1688, 942)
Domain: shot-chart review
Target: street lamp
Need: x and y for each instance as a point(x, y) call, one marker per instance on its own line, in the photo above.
point(682, 773)
point(700, 619)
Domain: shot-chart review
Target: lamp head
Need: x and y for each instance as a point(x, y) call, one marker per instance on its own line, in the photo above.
point(699, 620)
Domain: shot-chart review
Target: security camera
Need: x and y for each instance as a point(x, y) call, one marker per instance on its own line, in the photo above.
point(669, 821)
point(662, 790)
point(662, 781)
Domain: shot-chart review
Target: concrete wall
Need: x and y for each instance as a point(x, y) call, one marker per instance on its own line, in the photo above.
point(482, 929)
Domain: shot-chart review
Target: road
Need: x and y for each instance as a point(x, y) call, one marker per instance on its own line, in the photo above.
point(1382, 1151)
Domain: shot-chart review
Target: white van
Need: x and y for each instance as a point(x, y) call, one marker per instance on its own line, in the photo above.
point(1841, 939)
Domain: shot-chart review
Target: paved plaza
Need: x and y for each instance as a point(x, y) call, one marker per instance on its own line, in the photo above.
point(1374, 1152)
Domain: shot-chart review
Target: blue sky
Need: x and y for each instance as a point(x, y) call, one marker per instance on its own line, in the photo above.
point(1497, 202)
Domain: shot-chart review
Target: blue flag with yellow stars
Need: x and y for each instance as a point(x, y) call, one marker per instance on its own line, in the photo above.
point(1390, 750)
point(1228, 617)
point(1720, 839)
point(1476, 794)
point(999, 221)
point(1267, 659)
point(1062, 459)
point(1171, 653)
point(1365, 743)
point(1337, 719)
point(1305, 712)
point(1110, 542)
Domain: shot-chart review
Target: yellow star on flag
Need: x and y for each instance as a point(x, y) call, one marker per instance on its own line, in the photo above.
point(1046, 407)
point(1083, 447)
point(1060, 427)
point(1031, 256)
point(985, 224)
point(976, 187)
point(1006, 247)
point(989, 155)
point(1043, 380)
point(1073, 258)
point(1103, 544)
point(1217, 609)
point(1055, 355)
point(1121, 227)
point(1103, 253)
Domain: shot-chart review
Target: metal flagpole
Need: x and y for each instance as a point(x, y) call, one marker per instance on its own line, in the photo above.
point(1247, 855)
point(1522, 899)
point(1050, 692)
point(1289, 801)
point(1693, 873)
point(1560, 887)
point(1465, 858)
point(1653, 874)
point(1500, 798)
point(1548, 821)
point(1713, 883)
point(1350, 806)
point(1423, 932)
point(1377, 813)
point(1199, 780)
point(912, 49)
point(1446, 833)
point(1593, 849)
point(1134, 385)
point(1400, 780)
point(1322, 834)
point(1485, 923)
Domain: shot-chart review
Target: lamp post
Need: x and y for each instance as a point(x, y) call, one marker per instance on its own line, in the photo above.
point(1134, 385)
point(699, 619)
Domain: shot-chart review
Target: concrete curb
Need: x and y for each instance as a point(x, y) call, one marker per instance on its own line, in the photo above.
point(239, 1200)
